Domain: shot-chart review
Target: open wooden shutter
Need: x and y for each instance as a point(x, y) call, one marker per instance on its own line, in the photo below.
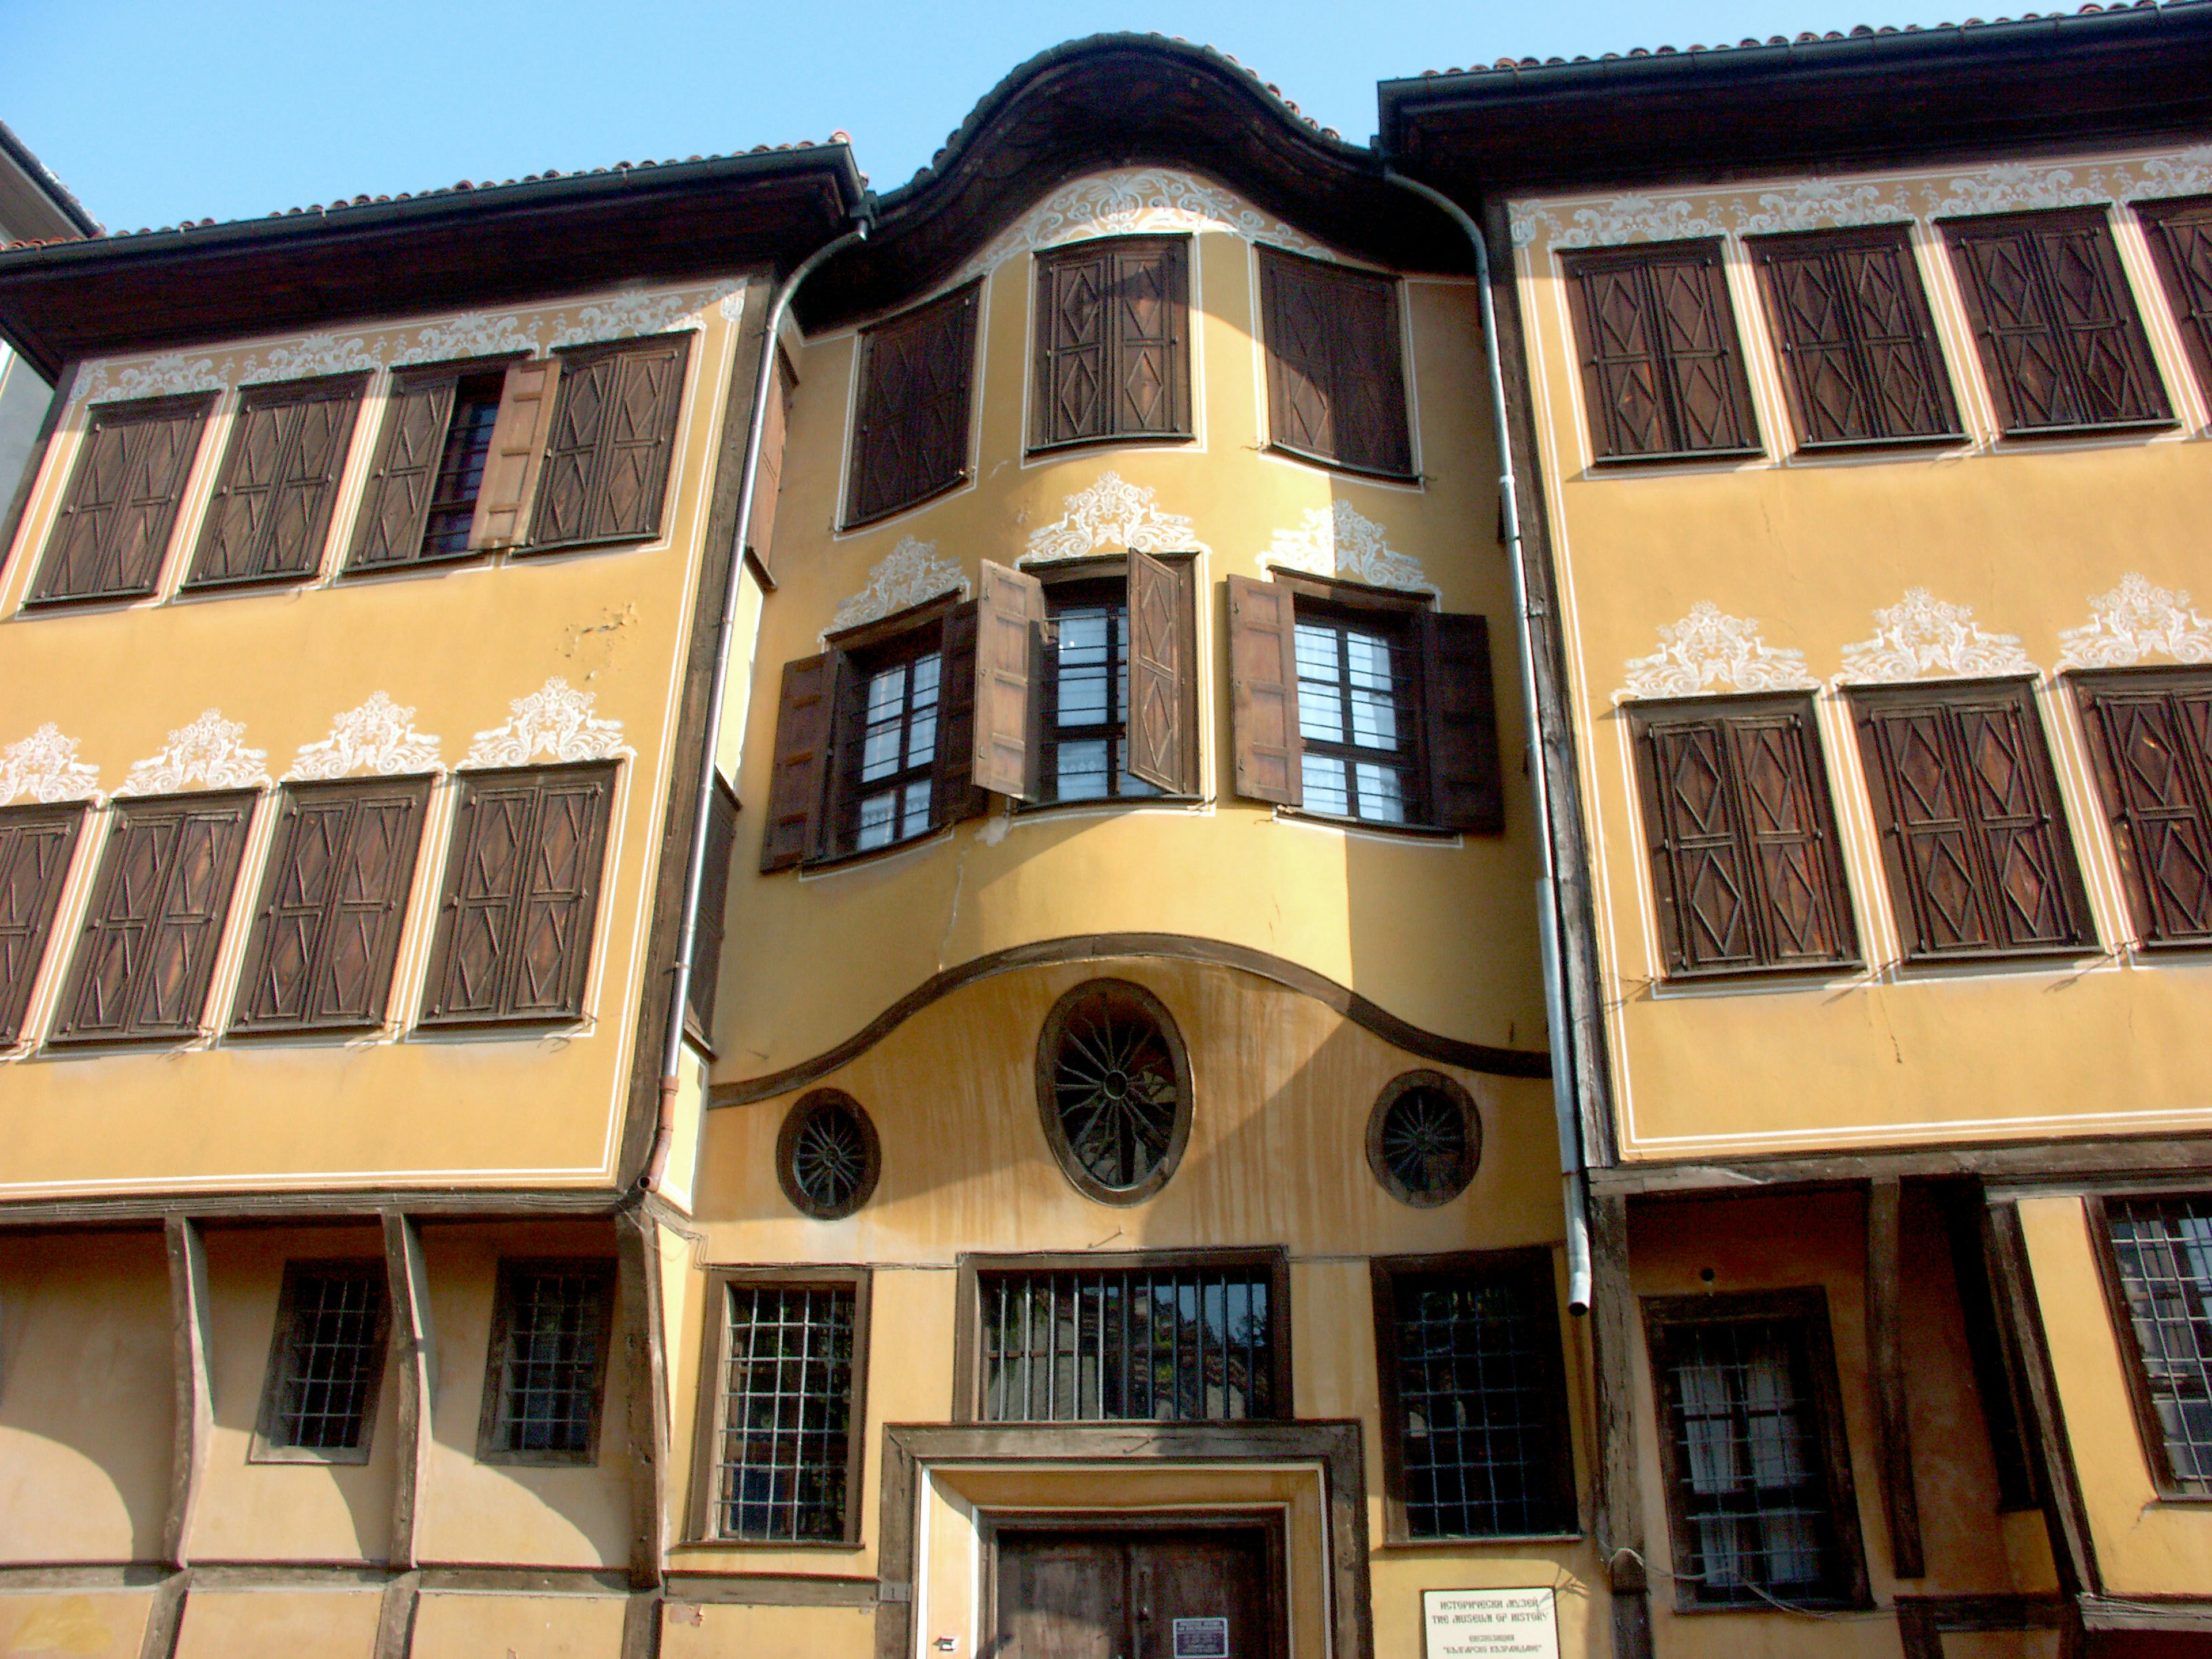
point(639, 441)
point(1009, 658)
point(714, 900)
point(1263, 691)
point(552, 946)
point(395, 506)
point(115, 519)
point(1163, 706)
point(517, 454)
point(799, 778)
point(35, 844)
point(2180, 236)
point(2151, 735)
point(955, 793)
point(1466, 789)
point(768, 482)
point(910, 430)
point(272, 501)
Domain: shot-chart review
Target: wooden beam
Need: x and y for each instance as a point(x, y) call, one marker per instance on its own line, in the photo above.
point(2098, 1159)
point(164, 1618)
point(641, 1636)
point(194, 1419)
point(1619, 1504)
point(395, 1620)
point(1884, 1338)
point(415, 1355)
point(638, 1315)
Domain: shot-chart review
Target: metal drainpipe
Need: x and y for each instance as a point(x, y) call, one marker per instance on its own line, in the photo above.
point(687, 935)
point(1573, 1181)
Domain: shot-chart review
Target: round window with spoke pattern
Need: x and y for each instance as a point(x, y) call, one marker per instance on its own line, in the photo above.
point(1114, 1084)
point(827, 1157)
point(1423, 1138)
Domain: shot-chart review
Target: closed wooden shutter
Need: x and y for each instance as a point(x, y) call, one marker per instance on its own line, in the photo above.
point(142, 963)
point(768, 482)
point(1662, 369)
point(955, 794)
point(2151, 734)
point(1163, 706)
point(522, 878)
point(1009, 658)
point(327, 935)
point(115, 518)
point(714, 901)
point(1972, 833)
point(1263, 691)
point(1074, 359)
point(272, 499)
point(1804, 910)
point(517, 454)
point(910, 430)
point(1858, 349)
point(35, 844)
point(1336, 388)
point(613, 435)
point(2060, 338)
point(1150, 315)
point(1466, 789)
point(1698, 873)
point(800, 777)
point(2180, 236)
point(1113, 358)
point(396, 504)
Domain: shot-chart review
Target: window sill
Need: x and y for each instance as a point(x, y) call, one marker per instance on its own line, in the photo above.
point(538, 1459)
point(1410, 832)
point(1481, 1540)
point(1827, 447)
point(425, 562)
point(847, 861)
point(1785, 973)
point(1385, 474)
point(119, 599)
point(1674, 457)
point(519, 1024)
point(348, 1029)
point(215, 587)
point(76, 1045)
point(964, 476)
point(2092, 428)
point(2026, 957)
point(1790, 1605)
point(1104, 803)
point(1107, 440)
point(825, 1545)
point(534, 550)
point(334, 1457)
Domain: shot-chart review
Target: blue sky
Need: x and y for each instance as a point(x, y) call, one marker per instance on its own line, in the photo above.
point(225, 109)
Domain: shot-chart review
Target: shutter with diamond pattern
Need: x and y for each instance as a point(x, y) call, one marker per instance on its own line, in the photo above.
point(910, 429)
point(35, 844)
point(1162, 712)
point(1009, 657)
point(1263, 692)
point(515, 459)
point(1857, 345)
point(955, 793)
point(714, 900)
point(1660, 365)
point(2151, 736)
point(1301, 341)
point(1466, 789)
point(1150, 313)
point(280, 474)
point(2180, 236)
point(798, 777)
point(1698, 865)
point(562, 514)
point(1370, 427)
point(613, 430)
point(121, 504)
point(1073, 357)
point(768, 481)
point(1703, 371)
point(396, 504)
point(1789, 832)
point(552, 947)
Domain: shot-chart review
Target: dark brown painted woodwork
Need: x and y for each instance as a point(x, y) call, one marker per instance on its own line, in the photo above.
point(775, 422)
point(1661, 368)
point(1112, 347)
point(272, 499)
point(1922, 1621)
point(607, 451)
point(910, 422)
point(521, 897)
point(955, 794)
point(640, 1328)
point(1886, 1284)
point(1465, 787)
point(2150, 734)
point(1081, 1594)
point(395, 504)
point(407, 1287)
point(1974, 838)
point(1336, 380)
point(713, 900)
point(1859, 354)
point(113, 524)
point(2150, 1261)
point(1162, 745)
point(193, 1413)
point(2179, 233)
point(1618, 1495)
point(805, 722)
point(1263, 691)
point(142, 961)
point(1745, 862)
point(327, 933)
point(516, 458)
point(2062, 345)
point(1009, 662)
point(1998, 1384)
point(35, 845)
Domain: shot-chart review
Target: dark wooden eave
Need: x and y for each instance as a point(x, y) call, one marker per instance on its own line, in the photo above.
point(2132, 75)
point(450, 250)
point(1123, 100)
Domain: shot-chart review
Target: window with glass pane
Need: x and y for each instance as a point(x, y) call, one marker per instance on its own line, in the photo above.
point(893, 749)
point(1087, 715)
point(461, 466)
point(2162, 1249)
point(549, 1355)
point(327, 1361)
point(1356, 719)
point(783, 1458)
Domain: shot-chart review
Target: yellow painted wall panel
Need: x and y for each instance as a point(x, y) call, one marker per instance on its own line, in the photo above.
point(73, 1625)
point(712, 1631)
point(279, 1624)
point(471, 1627)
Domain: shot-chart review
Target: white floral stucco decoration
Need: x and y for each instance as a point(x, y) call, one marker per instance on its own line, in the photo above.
point(1111, 515)
point(313, 354)
point(208, 752)
point(638, 311)
point(1339, 540)
point(1134, 202)
point(45, 767)
point(472, 334)
point(378, 737)
point(1923, 636)
point(907, 574)
point(1711, 651)
point(554, 720)
point(165, 376)
point(2136, 620)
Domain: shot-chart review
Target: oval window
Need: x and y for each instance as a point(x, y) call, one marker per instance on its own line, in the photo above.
point(1114, 1085)
point(1423, 1138)
point(827, 1156)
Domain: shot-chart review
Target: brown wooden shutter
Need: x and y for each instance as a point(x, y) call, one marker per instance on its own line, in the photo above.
point(35, 844)
point(2180, 236)
point(1697, 877)
point(910, 432)
point(516, 456)
point(1466, 790)
point(1073, 359)
point(272, 499)
point(1263, 691)
point(1298, 335)
point(1858, 349)
point(1789, 824)
point(955, 794)
point(484, 871)
point(1113, 358)
point(1163, 705)
point(613, 437)
point(1661, 365)
point(805, 722)
point(1007, 696)
point(327, 935)
point(714, 900)
point(580, 415)
point(1371, 427)
point(395, 506)
point(144, 960)
point(2151, 735)
point(1150, 313)
point(2060, 338)
point(115, 518)
point(768, 483)
point(1708, 392)
point(552, 947)
point(1336, 386)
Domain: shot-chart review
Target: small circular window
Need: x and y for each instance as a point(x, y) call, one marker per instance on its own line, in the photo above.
point(1423, 1138)
point(1114, 1084)
point(827, 1157)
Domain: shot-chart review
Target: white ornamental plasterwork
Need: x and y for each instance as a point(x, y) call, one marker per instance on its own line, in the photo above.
point(636, 311)
point(1823, 204)
point(472, 334)
point(1339, 540)
point(1923, 636)
point(1627, 219)
point(165, 376)
point(2012, 186)
point(556, 719)
point(208, 753)
point(1136, 202)
point(45, 767)
point(2188, 173)
point(314, 354)
point(1709, 651)
point(378, 737)
point(2137, 619)
point(1111, 515)
point(907, 574)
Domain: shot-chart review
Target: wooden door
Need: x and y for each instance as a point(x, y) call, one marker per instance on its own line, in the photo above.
point(1172, 1593)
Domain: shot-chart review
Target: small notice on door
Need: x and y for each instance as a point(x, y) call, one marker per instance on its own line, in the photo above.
point(1202, 1639)
point(1492, 1624)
